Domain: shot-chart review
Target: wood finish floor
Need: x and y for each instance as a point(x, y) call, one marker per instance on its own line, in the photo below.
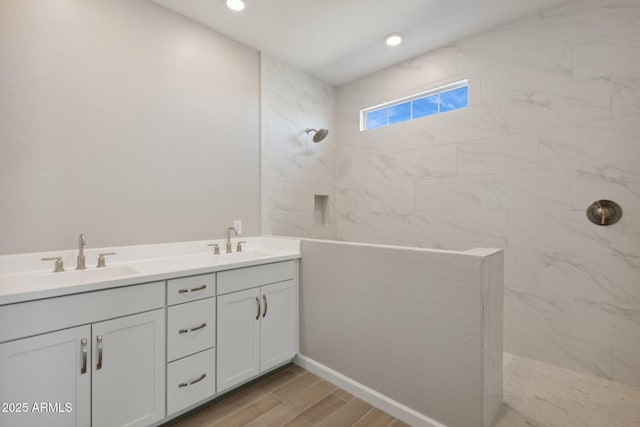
point(288, 397)
point(535, 395)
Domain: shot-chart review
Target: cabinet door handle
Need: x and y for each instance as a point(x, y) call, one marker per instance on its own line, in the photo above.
point(258, 307)
point(197, 328)
point(264, 297)
point(188, 291)
point(83, 347)
point(99, 341)
point(181, 385)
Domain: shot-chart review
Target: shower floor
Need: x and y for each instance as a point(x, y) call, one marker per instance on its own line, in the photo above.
point(537, 394)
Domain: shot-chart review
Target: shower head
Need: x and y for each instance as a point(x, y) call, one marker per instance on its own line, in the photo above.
point(319, 134)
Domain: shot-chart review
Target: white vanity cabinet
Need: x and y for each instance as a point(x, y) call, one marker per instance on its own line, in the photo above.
point(257, 320)
point(54, 367)
point(278, 323)
point(128, 370)
point(238, 337)
point(102, 373)
point(134, 354)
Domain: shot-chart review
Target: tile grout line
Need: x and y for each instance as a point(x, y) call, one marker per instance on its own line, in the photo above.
point(217, 422)
point(315, 403)
point(218, 402)
point(309, 406)
point(273, 395)
point(301, 391)
point(363, 415)
point(319, 399)
point(344, 400)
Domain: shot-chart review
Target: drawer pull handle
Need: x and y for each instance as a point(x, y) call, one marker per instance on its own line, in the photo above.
point(197, 328)
point(99, 364)
point(264, 297)
point(188, 291)
point(258, 307)
point(181, 385)
point(83, 346)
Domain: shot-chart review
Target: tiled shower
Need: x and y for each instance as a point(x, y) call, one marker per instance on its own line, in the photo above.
point(552, 126)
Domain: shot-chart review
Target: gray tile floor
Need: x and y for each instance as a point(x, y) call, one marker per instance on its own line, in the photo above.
point(537, 394)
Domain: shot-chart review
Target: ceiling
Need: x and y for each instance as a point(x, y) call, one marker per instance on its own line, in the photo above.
point(342, 40)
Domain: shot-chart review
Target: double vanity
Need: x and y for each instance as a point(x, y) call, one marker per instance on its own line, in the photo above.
point(162, 329)
point(158, 331)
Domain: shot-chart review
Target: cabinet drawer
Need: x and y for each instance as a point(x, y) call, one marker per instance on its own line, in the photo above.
point(183, 387)
point(191, 328)
point(37, 317)
point(251, 277)
point(191, 288)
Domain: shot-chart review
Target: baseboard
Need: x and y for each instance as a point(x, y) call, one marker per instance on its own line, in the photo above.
point(379, 400)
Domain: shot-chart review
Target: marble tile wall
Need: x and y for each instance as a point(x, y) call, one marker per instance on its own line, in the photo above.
point(553, 125)
point(294, 169)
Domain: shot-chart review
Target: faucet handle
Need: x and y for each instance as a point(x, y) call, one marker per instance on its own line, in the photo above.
point(239, 247)
point(216, 248)
point(59, 266)
point(102, 262)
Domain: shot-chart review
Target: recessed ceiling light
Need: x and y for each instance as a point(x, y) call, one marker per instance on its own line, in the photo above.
point(236, 5)
point(393, 39)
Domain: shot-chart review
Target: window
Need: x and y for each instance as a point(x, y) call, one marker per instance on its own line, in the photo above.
point(439, 100)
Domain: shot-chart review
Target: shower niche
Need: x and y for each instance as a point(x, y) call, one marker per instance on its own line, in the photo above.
point(321, 209)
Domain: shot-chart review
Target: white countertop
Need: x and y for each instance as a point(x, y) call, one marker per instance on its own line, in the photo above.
point(25, 277)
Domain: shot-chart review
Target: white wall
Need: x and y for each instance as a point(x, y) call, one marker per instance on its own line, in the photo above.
point(554, 124)
point(124, 121)
point(294, 169)
point(423, 328)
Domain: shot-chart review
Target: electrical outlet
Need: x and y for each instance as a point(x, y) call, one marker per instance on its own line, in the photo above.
point(237, 224)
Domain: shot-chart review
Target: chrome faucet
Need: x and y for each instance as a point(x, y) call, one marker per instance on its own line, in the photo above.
point(82, 241)
point(229, 238)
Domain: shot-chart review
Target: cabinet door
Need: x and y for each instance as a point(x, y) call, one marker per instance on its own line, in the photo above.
point(278, 331)
point(129, 370)
point(238, 338)
point(46, 373)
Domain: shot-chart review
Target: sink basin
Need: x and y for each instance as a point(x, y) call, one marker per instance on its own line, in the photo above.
point(246, 254)
point(200, 260)
point(75, 277)
point(184, 262)
point(71, 277)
